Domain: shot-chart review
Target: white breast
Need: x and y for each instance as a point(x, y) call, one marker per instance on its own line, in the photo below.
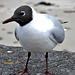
point(34, 37)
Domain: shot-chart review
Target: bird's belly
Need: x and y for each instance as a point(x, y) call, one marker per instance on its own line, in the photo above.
point(36, 43)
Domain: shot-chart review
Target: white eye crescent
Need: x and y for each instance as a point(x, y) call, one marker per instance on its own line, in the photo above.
point(23, 13)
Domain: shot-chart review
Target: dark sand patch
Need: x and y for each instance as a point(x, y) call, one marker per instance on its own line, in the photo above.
point(10, 32)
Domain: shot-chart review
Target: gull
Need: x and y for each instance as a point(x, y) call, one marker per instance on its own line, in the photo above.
point(36, 32)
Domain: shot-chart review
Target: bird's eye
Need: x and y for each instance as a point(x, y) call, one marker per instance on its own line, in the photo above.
point(22, 13)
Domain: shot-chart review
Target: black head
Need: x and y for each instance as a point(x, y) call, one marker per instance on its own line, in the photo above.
point(22, 15)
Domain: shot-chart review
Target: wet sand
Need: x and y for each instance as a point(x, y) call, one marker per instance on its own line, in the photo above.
point(63, 10)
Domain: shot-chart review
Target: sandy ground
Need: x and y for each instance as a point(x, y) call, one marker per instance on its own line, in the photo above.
point(63, 10)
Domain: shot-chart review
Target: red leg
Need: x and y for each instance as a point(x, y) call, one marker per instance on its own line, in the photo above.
point(25, 72)
point(47, 72)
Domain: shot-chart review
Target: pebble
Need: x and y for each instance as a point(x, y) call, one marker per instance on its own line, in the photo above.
point(9, 51)
point(59, 62)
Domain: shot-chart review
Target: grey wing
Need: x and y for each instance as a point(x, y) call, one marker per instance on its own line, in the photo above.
point(57, 33)
point(16, 35)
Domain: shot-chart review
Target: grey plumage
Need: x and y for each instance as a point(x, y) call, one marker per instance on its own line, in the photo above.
point(16, 35)
point(57, 33)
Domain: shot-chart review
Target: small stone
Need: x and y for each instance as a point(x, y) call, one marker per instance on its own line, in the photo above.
point(9, 51)
point(8, 62)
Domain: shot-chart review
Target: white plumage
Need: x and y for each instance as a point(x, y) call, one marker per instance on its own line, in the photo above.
point(36, 36)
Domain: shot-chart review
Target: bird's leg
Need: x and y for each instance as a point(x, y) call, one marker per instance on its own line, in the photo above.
point(26, 67)
point(25, 71)
point(46, 56)
point(47, 72)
